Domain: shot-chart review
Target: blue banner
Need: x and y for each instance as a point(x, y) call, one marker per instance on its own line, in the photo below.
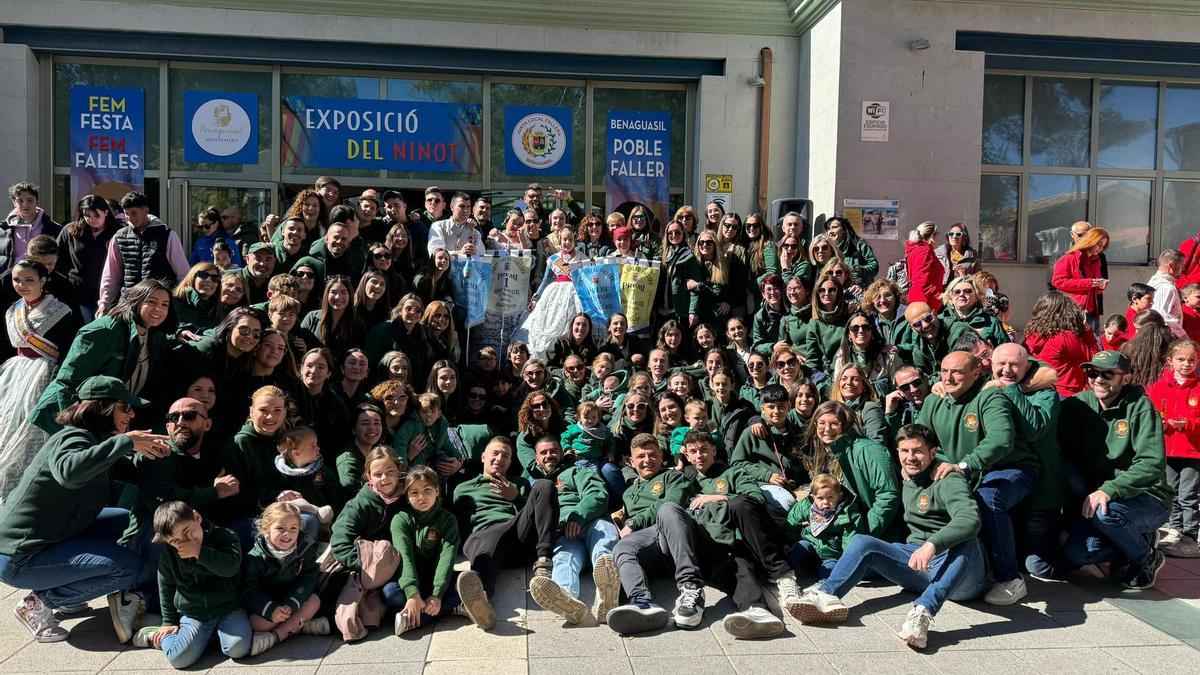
point(597, 283)
point(108, 140)
point(471, 278)
point(351, 133)
point(220, 127)
point(538, 141)
point(638, 160)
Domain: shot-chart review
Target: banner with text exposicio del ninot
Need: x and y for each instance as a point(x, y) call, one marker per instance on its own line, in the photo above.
point(108, 141)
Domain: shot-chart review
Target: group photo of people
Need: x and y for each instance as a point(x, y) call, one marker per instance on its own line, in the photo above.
point(286, 429)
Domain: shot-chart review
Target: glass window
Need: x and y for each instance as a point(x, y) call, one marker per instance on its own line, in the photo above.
point(1123, 208)
point(216, 81)
point(1181, 141)
point(567, 96)
point(442, 91)
point(1003, 118)
point(328, 86)
point(998, 201)
point(1055, 202)
point(1181, 203)
point(1128, 121)
point(68, 74)
point(1060, 128)
point(670, 101)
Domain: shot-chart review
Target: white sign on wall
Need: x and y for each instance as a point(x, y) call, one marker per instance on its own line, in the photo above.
point(876, 117)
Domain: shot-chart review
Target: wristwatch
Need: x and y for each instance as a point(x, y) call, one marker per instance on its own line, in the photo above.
point(964, 467)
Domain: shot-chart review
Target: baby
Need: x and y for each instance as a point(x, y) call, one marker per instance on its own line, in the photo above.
point(303, 470)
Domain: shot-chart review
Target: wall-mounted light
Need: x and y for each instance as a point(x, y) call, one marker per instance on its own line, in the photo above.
point(756, 81)
point(919, 44)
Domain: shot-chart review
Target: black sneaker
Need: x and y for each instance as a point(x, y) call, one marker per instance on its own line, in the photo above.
point(689, 606)
point(639, 616)
point(1144, 577)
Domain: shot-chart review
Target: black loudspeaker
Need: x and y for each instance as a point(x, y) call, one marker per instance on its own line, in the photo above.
point(780, 207)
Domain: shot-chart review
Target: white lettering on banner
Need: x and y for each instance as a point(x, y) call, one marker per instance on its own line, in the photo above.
point(92, 160)
point(636, 125)
point(105, 122)
point(638, 167)
point(392, 122)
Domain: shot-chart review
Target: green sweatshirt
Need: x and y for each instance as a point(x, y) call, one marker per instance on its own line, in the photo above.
point(989, 327)
point(942, 512)
point(927, 356)
point(427, 543)
point(978, 429)
point(350, 467)
point(366, 516)
point(269, 583)
point(1037, 422)
point(435, 440)
point(776, 454)
point(250, 456)
point(1119, 450)
point(582, 494)
point(868, 474)
point(832, 541)
point(205, 587)
point(823, 339)
point(728, 481)
point(591, 444)
point(474, 501)
point(645, 496)
point(176, 477)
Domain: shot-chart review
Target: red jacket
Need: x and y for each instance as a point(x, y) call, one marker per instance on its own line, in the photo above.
point(1178, 401)
point(1190, 248)
point(1064, 352)
point(1073, 274)
point(925, 273)
point(1191, 323)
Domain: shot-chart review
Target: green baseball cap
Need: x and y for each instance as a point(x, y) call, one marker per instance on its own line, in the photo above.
point(261, 246)
point(1109, 360)
point(108, 388)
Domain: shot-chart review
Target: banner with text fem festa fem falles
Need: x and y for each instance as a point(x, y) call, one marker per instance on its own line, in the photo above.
point(638, 160)
point(108, 141)
point(350, 133)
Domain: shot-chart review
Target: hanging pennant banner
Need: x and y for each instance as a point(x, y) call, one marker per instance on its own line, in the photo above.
point(639, 282)
point(471, 277)
point(507, 297)
point(108, 141)
point(597, 283)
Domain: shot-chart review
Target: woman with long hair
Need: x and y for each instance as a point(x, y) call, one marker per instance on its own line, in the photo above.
point(439, 331)
point(680, 280)
point(964, 301)
point(758, 369)
point(352, 385)
point(445, 382)
point(1147, 351)
point(828, 325)
point(729, 412)
point(853, 249)
point(822, 250)
point(83, 250)
point(397, 400)
point(321, 408)
point(593, 237)
point(626, 349)
point(399, 244)
point(852, 387)
point(761, 254)
point(433, 281)
point(792, 261)
point(956, 255)
point(637, 415)
point(335, 324)
point(577, 340)
point(927, 276)
point(737, 336)
point(642, 228)
point(309, 207)
point(805, 399)
point(1079, 274)
point(367, 419)
point(196, 298)
point(372, 299)
point(1058, 335)
point(786, 365)
point(881, 301)
point(672, 340)
point(723, 291)
point(864, 346)
point(714, 211)
point(768, 333)
point(686, 215)
point(540, 415)
point(310, 281)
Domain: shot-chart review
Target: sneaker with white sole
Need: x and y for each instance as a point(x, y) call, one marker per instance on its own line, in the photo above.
point(317, 626)
point(475, 600)
point(817, 606)
point(554, 598)
point(1166, 536)
point(1007, 592)
point(915, 631)
point(608, 585)
point(789, 592)
point(261, 642)
point(124, 608)
point(401, 625)
point(39, 620)
point(639, 616)
point(689, 606)
point(71, 610)
point(1182, 547)
point(755, 623)
point(142, 638)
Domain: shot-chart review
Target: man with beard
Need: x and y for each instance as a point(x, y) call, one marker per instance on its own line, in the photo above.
point(260, 266)
point(901, 406)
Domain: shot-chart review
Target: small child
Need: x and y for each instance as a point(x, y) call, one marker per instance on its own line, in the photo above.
point(588, 439)
point(821, 526)
point(422, 437)
point(1141, 296)
point(487, 361)
point(682, 385)
point(223, 255)
point(426, 536)
point(1190, 297)
point(279, 579)
point(1115, 334)
point(695, 414)
point(198, 588)
point(307, 485)
point(1177, 396)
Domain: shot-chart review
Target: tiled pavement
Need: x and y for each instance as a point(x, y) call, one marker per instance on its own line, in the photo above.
point(1085, 627)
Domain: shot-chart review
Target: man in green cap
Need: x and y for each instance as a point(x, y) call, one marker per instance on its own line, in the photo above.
point(1113, 435)
point(260, 266)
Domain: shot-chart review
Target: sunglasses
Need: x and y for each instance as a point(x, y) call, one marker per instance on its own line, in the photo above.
point(924, 321)
point(306, 275)
point(247, 331)
point(910, 386)
point(473, 396)
point(730, 225)
point(638, 218)
point(1093, 374)
point(573, 369)
point(186, 416)
point(954, 235)
point(787, 363)
point(756, 365)
point(382, 255)
point(963, 291)
point(822, 247)
point(791, 246)
point(705, 242)
point(859, 328)
point(827, 291)
point(633, 407)
point(211, 276)
point(540, 405)
point(750, 225)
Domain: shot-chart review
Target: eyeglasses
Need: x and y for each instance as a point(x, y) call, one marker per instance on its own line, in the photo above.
point(954, 235)
point(963, 291)
point(211, 276)
point(633, 407)
point(247, 331)
point(381, 255)
point(392, 398)
point(306, 275)
point(685, 217)
point(859, 328)
point(787, 363)
point(923, 321)
point(185, 415)
point(1093, 374)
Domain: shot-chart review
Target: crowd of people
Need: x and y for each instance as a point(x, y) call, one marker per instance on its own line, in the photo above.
point(287, 431)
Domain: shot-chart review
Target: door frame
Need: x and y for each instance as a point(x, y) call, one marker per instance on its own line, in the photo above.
point(177, 200)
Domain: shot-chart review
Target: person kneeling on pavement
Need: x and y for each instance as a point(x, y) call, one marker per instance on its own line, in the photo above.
point(942, 559)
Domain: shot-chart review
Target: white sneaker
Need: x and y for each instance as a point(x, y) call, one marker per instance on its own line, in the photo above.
point(317, 626)
point(124, 607)
point(753, 624)
point(261, 642)
point(817, 606)
point(1167, 536)
point(1183, 547)
point(554, 598)
point(789, 592)
point(689, 606)
point(142, 637)
point(401, 625)
point(39, 620)
point(1007, 592)
point(915, 631)
point(608, 585)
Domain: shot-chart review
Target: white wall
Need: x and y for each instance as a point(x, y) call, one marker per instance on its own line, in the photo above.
point(825, 55)
point(19, 117)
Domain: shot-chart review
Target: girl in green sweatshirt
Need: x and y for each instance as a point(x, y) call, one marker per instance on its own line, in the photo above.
point(426, 536)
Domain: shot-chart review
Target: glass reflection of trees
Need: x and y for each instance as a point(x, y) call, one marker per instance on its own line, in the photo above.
point(1062, 120)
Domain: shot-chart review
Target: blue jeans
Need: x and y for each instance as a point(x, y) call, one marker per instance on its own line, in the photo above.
point(595, 539)
point(613, 478)
point(186, 646)
point(779, 501)
point(78, 570)
point(395, 598)
point(1044, 557)
point(803, 557)
point(956, 574)
point(1119, 535)
point(997, 494)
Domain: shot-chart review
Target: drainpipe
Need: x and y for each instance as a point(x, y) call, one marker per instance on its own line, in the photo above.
point(764, 129)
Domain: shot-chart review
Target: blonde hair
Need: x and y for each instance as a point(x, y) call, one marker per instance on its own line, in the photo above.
point(291, 440)
point(823, 481)
point(276, 512)
point(696, 405)
point(835, 393)
point(948, 294)
point(586, 408)
point(614, 220)
point(923, 232)
point(1182, 345)
point(430, 399)
point(1091, 238)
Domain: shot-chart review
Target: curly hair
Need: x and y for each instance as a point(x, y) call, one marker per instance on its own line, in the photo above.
point(526, 421)
point(875, 289)
point(1054, 313)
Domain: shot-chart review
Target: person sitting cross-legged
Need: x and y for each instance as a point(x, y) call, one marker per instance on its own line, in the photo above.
point(942, 559)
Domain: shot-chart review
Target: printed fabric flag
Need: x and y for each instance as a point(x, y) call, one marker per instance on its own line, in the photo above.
point(507, 297)
point(639, 283)
point(471, 278)
point(598, 288)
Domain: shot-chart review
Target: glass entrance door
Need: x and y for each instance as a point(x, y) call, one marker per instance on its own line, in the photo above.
point(253, 202)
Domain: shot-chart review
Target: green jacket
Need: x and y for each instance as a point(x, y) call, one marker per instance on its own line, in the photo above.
point(942, 512)
point(870, 417)
point(989, 327)
point(62, 491)
point(645, 496)
point(106, 346)
point(206, 587)
point(1037, 422)
point(868, 473)
point(366, 516)
point(678, 269)
point(427, 543)
point(1119, 450)
point(435, 440)
point(978, 429)
point(767, 329)
point(924, 355)
point(250, 456)
point(728, 481)
point(593, 445)
point(195, 313)
point(582, 494)
point(350, 465)
point(475, 503)
point(765, 456)
point(176, 477)
point(823, 340)
point(832, 541)
point(860, 258)
point(269, 583)
point(793, 327)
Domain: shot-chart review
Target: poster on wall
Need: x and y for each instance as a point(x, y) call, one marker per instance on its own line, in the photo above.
point(638, 161)
point(873, 218)
point(538, 141)
point(351, 133)
point(108, 141)
point(876, 117)
point(719, 189)
point(220, 127)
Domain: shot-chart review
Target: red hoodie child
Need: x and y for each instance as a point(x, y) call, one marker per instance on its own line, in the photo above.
point(1179, 404)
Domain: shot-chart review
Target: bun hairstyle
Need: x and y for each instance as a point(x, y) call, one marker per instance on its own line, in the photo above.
point(923, 232)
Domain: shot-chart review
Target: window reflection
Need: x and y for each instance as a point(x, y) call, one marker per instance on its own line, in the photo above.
point(1060, 130)
point(1055, 201)
point(1123, 208)
point(1181, 203)
point(1128, 123)
point(1003, 118)
point(998, 199)
point(1181, 142)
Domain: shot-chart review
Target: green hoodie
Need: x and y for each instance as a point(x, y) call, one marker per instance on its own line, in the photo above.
point(727, 481)
point(868, 473)
point(776, 454)
point(1037, 422)
point(176, 477)
point(1119, 450)
point(436, 440)
point(989, 327)
point(924, 355)
point(645, 496)
point(196, 314)
point(582, 494)
point(203, 588)
point(250, 457)
point(942, 512)
point(978, 429)
point(475, 501)
point(767, 329)
point(269, 583)
point(679, 268)
point(793, 327)
point(366, 516)
point(832, 541)
point(427, 542)
point(823, 339)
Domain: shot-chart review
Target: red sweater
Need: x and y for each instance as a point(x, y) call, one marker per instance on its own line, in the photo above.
point(1178, 401)
point(1064, 352)
point(1073, 274)
point(925, 273)
point(1191, 323)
